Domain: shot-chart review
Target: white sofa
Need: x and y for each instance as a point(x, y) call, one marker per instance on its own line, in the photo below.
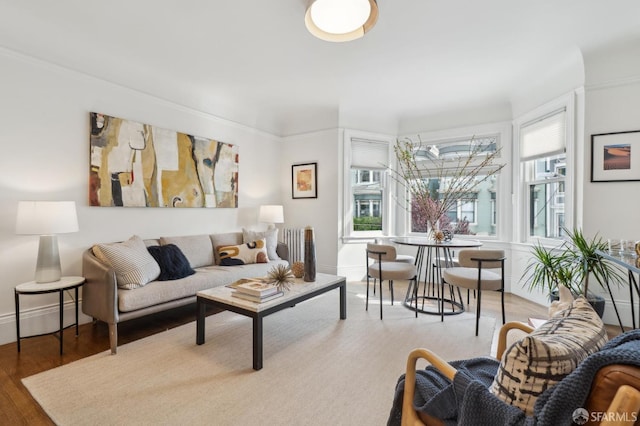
point(104, 300)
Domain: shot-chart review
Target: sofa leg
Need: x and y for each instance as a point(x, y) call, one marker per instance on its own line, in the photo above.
point(113, 338)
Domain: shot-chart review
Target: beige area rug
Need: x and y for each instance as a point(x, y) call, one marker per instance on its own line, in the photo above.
point(318, 370)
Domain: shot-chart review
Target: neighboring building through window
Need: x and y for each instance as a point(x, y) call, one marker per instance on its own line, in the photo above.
point(475, 212)
point(367, 199)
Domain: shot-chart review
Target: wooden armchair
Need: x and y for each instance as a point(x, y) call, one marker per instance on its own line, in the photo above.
point(614, 398)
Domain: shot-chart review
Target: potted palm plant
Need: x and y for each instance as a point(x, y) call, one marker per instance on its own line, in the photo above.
point(571, 265)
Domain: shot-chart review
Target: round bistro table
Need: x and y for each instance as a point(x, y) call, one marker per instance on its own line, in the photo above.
point(434, 256)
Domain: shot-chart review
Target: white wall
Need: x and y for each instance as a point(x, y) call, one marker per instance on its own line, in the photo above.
point(612, 105)
point(45, 139)
point(321, 213)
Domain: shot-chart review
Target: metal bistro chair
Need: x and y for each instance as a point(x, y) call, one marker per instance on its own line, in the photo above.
point(386, 267)
point(399, 258)
point(474, 273)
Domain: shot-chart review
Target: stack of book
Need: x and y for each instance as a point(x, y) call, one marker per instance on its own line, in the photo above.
point(255, 290)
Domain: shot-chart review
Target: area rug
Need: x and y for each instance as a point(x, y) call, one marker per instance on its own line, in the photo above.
point(318, 370)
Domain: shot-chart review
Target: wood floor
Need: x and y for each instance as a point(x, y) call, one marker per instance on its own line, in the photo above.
point(38, 354)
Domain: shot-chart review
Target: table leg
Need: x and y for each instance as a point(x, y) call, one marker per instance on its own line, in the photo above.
point(61, 293)
point(257, 342)
point(343, 301)
point(17, 319)
point(200, 317)
point(77, 326)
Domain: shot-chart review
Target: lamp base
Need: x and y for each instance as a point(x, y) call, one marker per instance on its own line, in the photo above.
point(48, 265)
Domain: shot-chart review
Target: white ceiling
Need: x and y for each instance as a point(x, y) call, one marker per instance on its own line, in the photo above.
point(253, 62)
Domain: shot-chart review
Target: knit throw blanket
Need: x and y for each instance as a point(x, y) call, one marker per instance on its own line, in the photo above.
point(467, 400)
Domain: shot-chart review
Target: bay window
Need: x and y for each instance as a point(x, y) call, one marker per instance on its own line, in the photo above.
point(474, 212)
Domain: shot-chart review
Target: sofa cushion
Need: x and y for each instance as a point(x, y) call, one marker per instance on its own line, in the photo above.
point(270, 236)
point(242, 254)
point(548, 354)
point(132, 263)
point(158, 292)
point(173, 263)
point(197, 248)
point(224, 239)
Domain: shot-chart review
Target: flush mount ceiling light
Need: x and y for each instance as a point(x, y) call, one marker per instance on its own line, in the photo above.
point(341, 20)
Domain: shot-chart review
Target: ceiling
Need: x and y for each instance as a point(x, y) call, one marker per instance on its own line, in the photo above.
point(253, 62)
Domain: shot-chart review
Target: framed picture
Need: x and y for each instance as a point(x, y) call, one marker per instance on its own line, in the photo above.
point(304, 180)
point(615, 156)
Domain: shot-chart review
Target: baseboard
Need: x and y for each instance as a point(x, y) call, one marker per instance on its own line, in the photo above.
point(624, 310)
point(40, 320)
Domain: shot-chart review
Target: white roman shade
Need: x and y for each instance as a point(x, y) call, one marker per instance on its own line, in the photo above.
point(367, 154)
point(544, 137)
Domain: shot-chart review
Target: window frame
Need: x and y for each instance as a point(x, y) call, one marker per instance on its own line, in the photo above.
point(387, 209)
point(503, 133)
point(522, 205)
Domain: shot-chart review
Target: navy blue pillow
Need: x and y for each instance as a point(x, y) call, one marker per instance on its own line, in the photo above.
point(173, 263)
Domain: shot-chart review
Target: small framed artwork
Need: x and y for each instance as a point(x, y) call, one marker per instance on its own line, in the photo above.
point(304, 180)
point(615, 157)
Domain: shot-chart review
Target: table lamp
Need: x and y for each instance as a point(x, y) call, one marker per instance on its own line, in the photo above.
point(47, 219)
point(271, 214)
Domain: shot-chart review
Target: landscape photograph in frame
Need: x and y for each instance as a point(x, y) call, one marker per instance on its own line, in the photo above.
point(138, 165)
point(615, 156)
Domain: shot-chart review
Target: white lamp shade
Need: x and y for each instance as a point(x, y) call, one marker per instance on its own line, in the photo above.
point(46, 217)
point(271, 214)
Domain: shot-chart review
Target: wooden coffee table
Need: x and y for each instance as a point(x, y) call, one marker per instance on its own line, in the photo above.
point(220, 297)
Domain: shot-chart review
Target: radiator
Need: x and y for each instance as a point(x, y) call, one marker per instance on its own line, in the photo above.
point(294, 238)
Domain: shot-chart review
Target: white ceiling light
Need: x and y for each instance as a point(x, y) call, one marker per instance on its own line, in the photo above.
point(341, 20)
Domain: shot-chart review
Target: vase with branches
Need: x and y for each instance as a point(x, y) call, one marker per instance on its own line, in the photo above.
point(422, 170)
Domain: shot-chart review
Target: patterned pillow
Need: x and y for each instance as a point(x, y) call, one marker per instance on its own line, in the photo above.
point(242, 254)
point(544, 357)
point(132, 263)
point(271, 237)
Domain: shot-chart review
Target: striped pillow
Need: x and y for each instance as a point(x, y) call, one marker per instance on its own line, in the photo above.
point(544, 357)
point(131, 261)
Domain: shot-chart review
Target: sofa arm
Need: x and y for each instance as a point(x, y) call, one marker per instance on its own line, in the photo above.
point(99, 293)
point(283, 251)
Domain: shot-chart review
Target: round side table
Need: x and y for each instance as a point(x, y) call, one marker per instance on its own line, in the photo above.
point(32, 287)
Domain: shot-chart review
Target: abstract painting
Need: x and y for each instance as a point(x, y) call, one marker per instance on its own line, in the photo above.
point(615, 156)
point(304, 179)
point(139, 165)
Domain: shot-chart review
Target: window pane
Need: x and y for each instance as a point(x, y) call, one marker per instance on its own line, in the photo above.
point(546, 185)
point(473, 214)
point(547, 210)
point(468, 210)
point(367, 200)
